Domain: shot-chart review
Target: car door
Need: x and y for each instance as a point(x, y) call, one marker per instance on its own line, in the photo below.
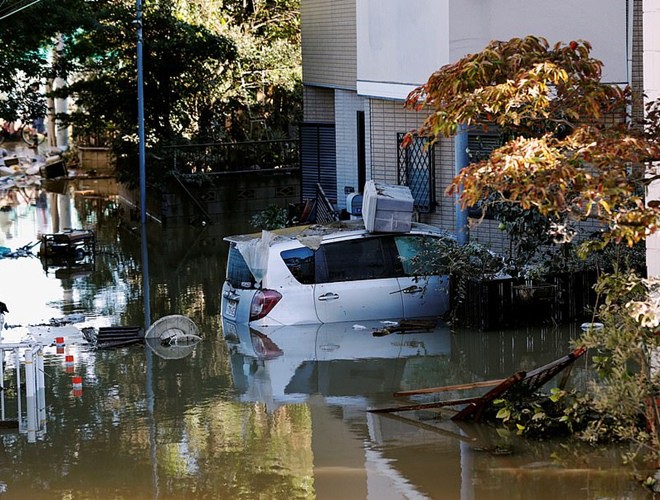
point(423, 295)
point(356, 281)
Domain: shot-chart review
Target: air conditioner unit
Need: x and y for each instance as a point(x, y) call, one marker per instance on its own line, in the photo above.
point(387, 207)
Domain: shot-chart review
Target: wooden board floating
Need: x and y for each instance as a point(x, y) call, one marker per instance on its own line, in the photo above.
point(446, 388)
point(528, 382)
point(407, 326)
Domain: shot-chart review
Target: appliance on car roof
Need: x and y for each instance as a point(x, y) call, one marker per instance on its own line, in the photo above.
point(387, 207)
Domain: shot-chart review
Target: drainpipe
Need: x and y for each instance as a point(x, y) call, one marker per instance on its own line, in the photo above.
point(461, 160)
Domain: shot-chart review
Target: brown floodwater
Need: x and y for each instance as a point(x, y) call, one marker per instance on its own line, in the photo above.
point(245, 414)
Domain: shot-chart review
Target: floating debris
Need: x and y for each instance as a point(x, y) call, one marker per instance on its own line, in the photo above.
point(24, 251)
point(172, 337)
point(474, 407)
point(407, 326)
point(72, 242)
point(108, 337)
point(592, 326)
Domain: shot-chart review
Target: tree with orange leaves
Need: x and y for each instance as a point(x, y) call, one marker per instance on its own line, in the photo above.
point(571, 152)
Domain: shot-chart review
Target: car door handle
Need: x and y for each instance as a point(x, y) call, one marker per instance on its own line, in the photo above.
point(328, 296)
point(410, 290)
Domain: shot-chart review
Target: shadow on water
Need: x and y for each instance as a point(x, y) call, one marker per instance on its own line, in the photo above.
point(272, 413)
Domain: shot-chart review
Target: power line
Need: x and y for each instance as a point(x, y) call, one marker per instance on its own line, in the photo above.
point(19, 9)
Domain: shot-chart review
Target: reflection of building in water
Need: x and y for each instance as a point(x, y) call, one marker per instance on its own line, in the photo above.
point(41, 204)
point(60, 205)
point(496, 354)
point(7, 215)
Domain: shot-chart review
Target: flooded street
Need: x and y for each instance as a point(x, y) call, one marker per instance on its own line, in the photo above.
point(249, 414)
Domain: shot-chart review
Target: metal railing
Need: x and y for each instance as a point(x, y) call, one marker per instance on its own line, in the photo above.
point(235, 156)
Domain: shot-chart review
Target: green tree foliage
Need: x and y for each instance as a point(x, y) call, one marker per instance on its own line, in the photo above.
point(264, 92)
point(213, 70)
point(184, 65)
point(25, 37)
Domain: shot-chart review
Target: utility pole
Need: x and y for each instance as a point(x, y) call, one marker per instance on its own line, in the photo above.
point(143, 183)
point(140, 93)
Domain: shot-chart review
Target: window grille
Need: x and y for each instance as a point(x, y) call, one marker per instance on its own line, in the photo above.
point(416, 171)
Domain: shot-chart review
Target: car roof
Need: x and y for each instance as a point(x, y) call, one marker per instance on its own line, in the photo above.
point(329, 231)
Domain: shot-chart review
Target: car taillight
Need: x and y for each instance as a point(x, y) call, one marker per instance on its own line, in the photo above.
point(263, 303)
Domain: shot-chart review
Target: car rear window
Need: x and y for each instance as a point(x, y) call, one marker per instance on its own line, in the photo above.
point(238, 273)
point(301, 263)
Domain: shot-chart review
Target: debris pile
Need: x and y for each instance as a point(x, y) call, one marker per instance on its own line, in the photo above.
point(17, 170)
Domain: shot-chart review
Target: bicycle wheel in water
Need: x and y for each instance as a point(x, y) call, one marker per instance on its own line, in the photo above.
point(32, 136)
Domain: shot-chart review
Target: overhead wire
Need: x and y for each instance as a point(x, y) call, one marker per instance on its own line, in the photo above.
point(11, 6)
point(13, 9)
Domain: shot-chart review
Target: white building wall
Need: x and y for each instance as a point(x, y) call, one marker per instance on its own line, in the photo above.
point(347, 104)
point(399, 44)
point(652, 90)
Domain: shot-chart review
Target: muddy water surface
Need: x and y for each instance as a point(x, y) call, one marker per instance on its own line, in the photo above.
point(245, 414)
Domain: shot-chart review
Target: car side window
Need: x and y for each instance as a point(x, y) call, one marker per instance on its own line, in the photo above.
point(301, 263)
point(351, 260)
point(410, 248)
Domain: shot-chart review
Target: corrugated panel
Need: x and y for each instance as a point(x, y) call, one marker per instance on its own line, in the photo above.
point(318, 160)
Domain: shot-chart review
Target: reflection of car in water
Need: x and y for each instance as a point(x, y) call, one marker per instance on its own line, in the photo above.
point(326, 274)
point(286, 364)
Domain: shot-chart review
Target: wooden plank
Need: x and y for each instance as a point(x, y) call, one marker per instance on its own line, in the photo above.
point(459, 387)
point(536, 378)
point(423, 406)
point(475, 409)
point(476, 406)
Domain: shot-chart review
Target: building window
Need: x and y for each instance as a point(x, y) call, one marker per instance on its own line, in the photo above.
point(416, 171)
point(480, 146)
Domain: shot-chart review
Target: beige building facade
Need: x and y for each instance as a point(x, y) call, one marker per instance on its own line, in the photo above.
point(361, 58)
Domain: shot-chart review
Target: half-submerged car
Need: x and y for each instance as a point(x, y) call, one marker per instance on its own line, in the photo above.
point(330, 273)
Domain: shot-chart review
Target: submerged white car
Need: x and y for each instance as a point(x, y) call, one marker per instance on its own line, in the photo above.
point(331, 273)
